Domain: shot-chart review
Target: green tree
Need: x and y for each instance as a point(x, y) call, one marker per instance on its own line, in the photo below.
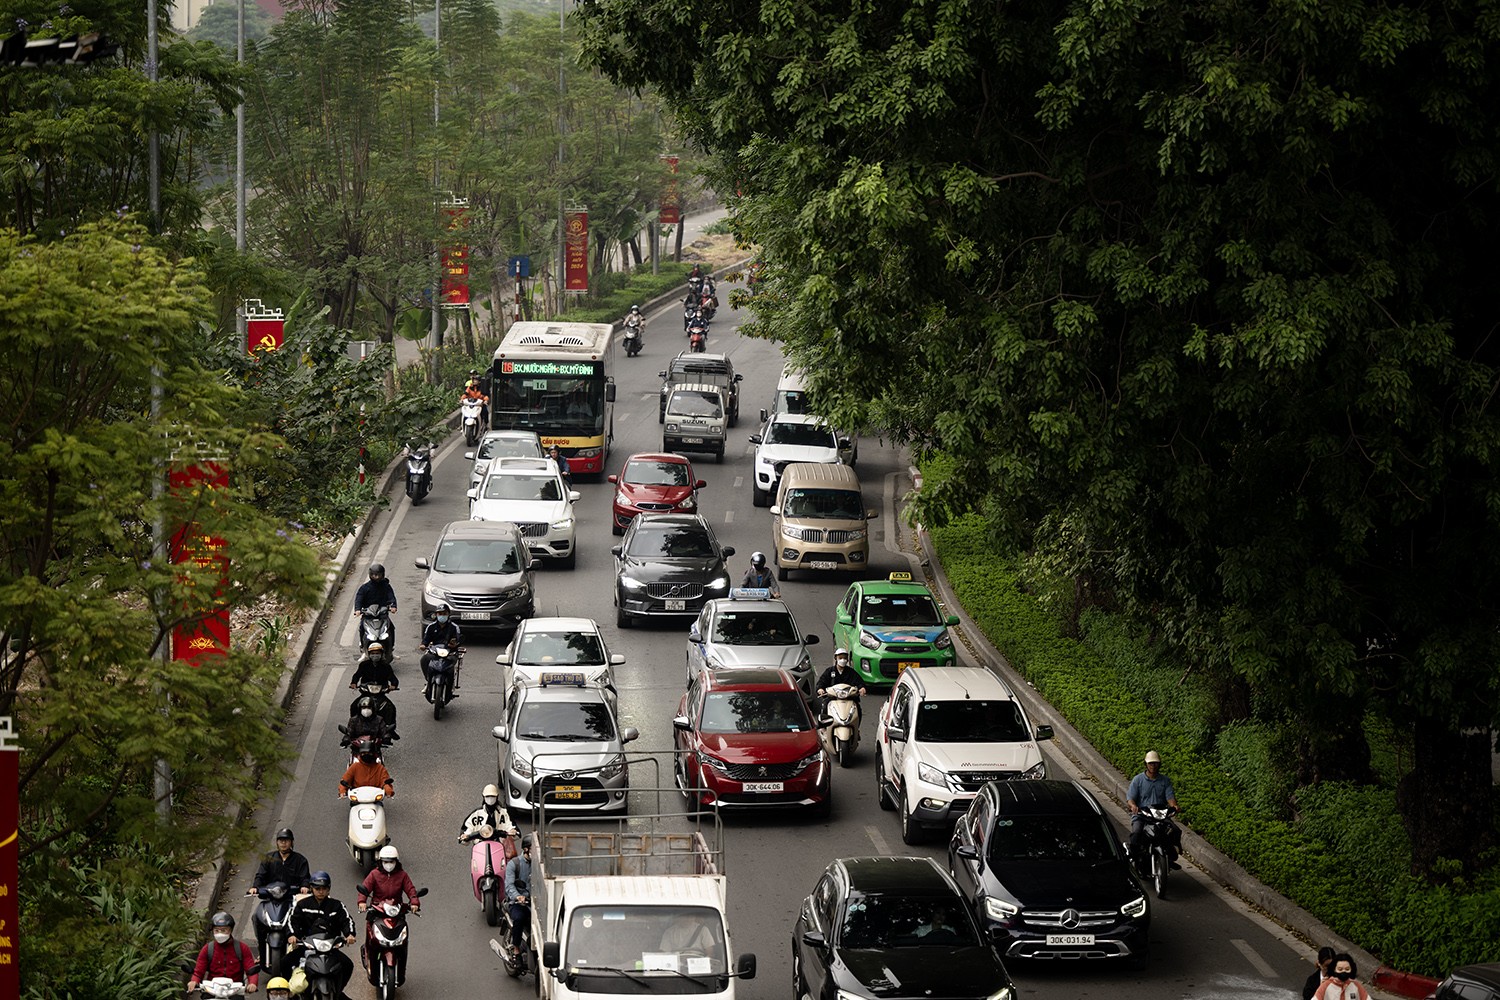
point(219, 23)
point(1193, 293)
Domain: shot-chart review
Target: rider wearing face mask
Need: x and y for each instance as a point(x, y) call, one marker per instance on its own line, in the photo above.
point(442, 631)
point(388, 883)
point(489, 813)
point(224, 957)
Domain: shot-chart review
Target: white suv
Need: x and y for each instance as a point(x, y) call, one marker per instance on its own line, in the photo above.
point(943, 733)
point(531, 494)
point(787, 438)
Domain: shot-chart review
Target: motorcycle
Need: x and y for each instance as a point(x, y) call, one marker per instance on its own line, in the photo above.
point(633, 338)
point(375, 696)
point(367, 832)
point(487, 860)
point(708, 306)
point(383, 736)
point(840, 735)
point(222, 986)
point(443, 664)
point(418, 472)
point(689, 313)
point(385, 947)
point(698, 336)
point(375, 626)
point(695, 284)
point(517, 964)
point(319, 965)
point(273, 924)
point(1156, 861)
point(471, 409)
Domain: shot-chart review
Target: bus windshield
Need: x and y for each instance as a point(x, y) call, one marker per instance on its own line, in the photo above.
point(555, 405)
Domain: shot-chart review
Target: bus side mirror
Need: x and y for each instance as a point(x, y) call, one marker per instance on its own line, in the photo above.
point(609, 392)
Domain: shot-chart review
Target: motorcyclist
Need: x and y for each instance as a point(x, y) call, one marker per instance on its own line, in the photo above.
point(689, 310)
point(387, 882)
point(698, 325)
point(564, 468)
point(441, 631)
point(760, 576)
point(320, 913)
point(279, 989)
point(488, 814)
point(635, 318)
point(226, 958)
point(518, 893)
point(374, 668)
point(1152, 790)
point(282, 865)
point(841, 672)
point(474, 390)
point(365, 719)
point(377, 591)
point(367, 769)
point(374, 695)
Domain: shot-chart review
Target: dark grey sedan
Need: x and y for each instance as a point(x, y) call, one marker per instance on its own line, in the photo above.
point(668, 564)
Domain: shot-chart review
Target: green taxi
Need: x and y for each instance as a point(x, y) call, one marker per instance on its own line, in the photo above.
point(891, 624)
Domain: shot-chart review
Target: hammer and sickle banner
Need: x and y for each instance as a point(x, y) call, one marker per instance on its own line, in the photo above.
point(206, 631)
point(264, 327)
point(454, 291)
point(10, 854)
point(576, 252)
point(671, 205)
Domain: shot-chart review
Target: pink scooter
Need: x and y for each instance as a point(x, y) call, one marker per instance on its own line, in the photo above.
point(492, 849)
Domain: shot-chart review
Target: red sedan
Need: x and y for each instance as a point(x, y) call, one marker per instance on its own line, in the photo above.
point(745, 738)
point(654, 483)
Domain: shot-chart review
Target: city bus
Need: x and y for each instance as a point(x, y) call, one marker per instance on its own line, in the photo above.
point(557, 379)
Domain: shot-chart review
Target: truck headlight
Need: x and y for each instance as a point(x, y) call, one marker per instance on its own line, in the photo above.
point(1035, 772)
point(791, 531)
point(671, 427)
point(931, 775)
point(868, 641)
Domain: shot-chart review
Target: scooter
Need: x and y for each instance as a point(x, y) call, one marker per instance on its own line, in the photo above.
point(517, 964)
point(708, 306)
point(375, 626)
point(443, 666)
point(1154, 865)
point(698, 336)
point(319, 965)
point(374, 695)
point(222, 986)
point(383, 736)
point(633, 339)
point(695, 284)
point(418, 472)
point(841, 733)
point(367, 832)
point(689, 313)
point(273, 922)
point(384, 953)
point(470, 411)
point(487, 860)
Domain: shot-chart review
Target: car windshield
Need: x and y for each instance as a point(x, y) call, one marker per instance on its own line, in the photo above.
point(513, 487)
point(508, 447)
point(560, 649)
point(670, 542)
point(755, 628)
point(811, 435)
point(1050, 838)
point(754, 712)
point(792, 401)
point(477, 555)
point(842, 505)
point(971, 721)
point(645, 940)
point(899, 610)
point(695, 404)
point(895, 920)
point(566, 721)
point(646, 473)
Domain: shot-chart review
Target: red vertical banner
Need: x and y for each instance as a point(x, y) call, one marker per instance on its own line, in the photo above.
point(454, 293)
point(205, 630)
point(671, 203)
point(10, 854)
point(264, 327)
point(576, 252)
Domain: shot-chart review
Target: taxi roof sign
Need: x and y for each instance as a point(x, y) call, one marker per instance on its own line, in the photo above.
point(750, 594)
point(899, 578)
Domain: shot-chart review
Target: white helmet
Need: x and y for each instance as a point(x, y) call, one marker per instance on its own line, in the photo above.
point(389, 853)
point(841, 651)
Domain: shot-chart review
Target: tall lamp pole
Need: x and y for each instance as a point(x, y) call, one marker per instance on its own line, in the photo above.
point(239, 154)
point(437, 260)
point(562, 242)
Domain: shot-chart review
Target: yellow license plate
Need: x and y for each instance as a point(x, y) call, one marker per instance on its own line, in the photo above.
point(568, 792)
point(903, 664)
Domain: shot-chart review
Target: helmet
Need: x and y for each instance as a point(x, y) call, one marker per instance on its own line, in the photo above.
point(491, 790)
point(285, 833)
point(527, 841)
point(222, 919)
point(389, 853)
point(841, 651)
point(377, 571)
point(635, 308)
point(1152, 757)
point(279, 984)
point(320, 880)
point(758, 560)
point(368, 748)
point(375, 647)
point(474, 372)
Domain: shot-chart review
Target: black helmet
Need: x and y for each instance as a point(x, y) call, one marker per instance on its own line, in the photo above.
point(377, 570)
point(527, 841)
point(474, 372)
point(285, 833)
point(222, 919)
point(367, 748)
point(758, 560)
point(320, 880)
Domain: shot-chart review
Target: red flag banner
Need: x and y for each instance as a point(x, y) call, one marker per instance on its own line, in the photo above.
point(206, 632)
point(10, 902)
point(671, 204)
point(576, 252)
point(455, 264)
point(264, 328)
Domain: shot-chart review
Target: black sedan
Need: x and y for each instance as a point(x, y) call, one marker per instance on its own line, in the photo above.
point(668, 564)
point(892, 928)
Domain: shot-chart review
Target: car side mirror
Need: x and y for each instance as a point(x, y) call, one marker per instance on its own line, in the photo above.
point(422, 563)
point(764, 416)
point(551, 955)
point(755, 439)
point(469, 455)
point(745, 967)
point(700, 484)
point(662, 374)
point(776, 510)
point(843, 444)
point(967, 851)
point(1043, 733)
point(609, 392)
point(896, 734)
point(574, 496)
point(501, 733)
point(615, 659)
point(612, 479)
point(681, 723)
point(472, 494)
point(951, 619)
point(695, 634)
point(629, 734)
point(503, 658)
point(841, 616)
point(344, 730)
point(728, 551)
point(809, 640)
point(421, 892)
point(814, 938)
point(739, 378)
point(615, 550)
point(871, 514)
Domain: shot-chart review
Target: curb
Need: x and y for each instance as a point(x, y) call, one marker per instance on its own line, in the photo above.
point(1406, 984)
point(1097, 769)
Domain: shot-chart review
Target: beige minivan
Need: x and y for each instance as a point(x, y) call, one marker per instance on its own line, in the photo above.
point(819, 520)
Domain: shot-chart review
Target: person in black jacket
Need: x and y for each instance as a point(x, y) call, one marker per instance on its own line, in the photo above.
point(282, 865)
point(378, 591)
point(320, 913)
point(1320, 973)
point(442, 631)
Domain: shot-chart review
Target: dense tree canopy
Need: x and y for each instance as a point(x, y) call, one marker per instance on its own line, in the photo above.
point(1194, 293)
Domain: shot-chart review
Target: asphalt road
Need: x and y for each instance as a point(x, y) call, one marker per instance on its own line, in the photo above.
point(1204, 943)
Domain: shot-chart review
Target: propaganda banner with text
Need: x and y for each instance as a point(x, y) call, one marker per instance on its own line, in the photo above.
point(671, 205)
point(264, 327)
point(205, 630)
point(10, 819)
point(576, 252)
point(455, 266)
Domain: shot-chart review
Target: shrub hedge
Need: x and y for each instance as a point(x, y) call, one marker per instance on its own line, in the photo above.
point(1345, 859)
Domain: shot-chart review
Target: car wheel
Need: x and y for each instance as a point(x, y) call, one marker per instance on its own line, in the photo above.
point(661, 414)
point(569, 561)
point(782, 573)
point(719, 457)
point(911, 830)
point(622, 618)
point(760, 497)
point(1139, 960)
point(617, 529)
point(825, 808)
point(881, 798)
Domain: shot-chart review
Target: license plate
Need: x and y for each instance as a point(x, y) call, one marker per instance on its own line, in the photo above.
point(1064, 940)
point(692, 440)
point(823, 564)
point(764, 786)
point(903, 664)
point(570, 792)
point(474, 616)
point(676, 605)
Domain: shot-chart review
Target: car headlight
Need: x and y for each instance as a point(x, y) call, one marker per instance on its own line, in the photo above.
point(791, 531)
point(846, 995)
point(689, 503)
point(562, 525)
point(436, 593)
point(1035, 772)
point(868, 641)
point(612, 770)
point(714, 762)
point(506, 595)
point(931, 775)
point(719, 583)
point(520, 765)
point(1004, 993)
point(622, 499)
point(671, 427)
point(944, 641)
point(1135, 908)
point(999, 909)
point(810, 760)
point(630, 583)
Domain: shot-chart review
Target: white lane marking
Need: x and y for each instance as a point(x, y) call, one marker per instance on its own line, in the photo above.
point(729, 517)
point(875, 838)
point(1253, 957)
point(739, 481)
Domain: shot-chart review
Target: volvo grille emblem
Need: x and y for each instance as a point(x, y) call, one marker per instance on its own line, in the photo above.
point(1069, 918)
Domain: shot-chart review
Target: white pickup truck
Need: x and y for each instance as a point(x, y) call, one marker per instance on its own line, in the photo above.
point(637, 910)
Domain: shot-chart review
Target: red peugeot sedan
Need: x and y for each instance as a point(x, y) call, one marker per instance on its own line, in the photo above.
point(654, 483)
point(745, 738)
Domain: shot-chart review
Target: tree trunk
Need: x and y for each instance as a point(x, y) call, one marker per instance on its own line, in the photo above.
point(1331, 744)
point(1446, 801)
point(677, 254)
point(634, 245)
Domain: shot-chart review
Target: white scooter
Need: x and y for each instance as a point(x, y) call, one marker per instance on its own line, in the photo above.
point(367, 833)
point(470, 410)
point(841, 733)
point(222, 986)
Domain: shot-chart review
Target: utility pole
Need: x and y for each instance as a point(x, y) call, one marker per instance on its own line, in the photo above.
point(239, 156)
point(161, 782)
point(562, 243)
point(435, 337)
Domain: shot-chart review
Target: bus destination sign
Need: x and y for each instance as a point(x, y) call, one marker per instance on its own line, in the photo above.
point(574, 368)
